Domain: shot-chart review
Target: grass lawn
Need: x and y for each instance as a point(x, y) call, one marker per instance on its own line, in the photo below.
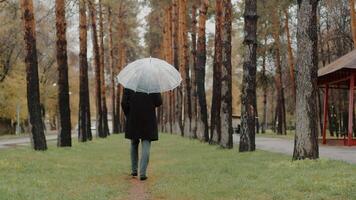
point(179, 169)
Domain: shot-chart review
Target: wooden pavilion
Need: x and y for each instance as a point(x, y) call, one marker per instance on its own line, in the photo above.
point(339, 74)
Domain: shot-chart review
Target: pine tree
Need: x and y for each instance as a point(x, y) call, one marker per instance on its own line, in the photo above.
point(33, 91)
point(306, 137)
point(64, 136)
point(84, 129)
point(248, 96)
point(99, 113)
point(226, 80)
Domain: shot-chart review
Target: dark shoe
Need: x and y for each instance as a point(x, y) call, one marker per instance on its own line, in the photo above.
point(142, 178)
point(134, 174)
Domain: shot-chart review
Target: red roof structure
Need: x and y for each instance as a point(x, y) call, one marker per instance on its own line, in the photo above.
point(339, 74)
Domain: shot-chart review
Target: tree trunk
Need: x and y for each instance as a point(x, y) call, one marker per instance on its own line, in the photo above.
point(119, 91)
point(278, 76)
point(215, 124)
point(353, 20)
point(64, 136)
point(202, 126)
point(170, 60)
point(178, 124)
point(264, 119)
point(102, 73)
point(290, 53)
point(248, 96)
point(99, 120)
point(226, 80)
point(84, 129)
point(120, 47)
point(112, 69)
point(306, 137)
point(33, 90)
point(184, 67)
point(193, 72)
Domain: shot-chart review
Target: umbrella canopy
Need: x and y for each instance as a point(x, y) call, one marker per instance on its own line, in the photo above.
point(149, 75)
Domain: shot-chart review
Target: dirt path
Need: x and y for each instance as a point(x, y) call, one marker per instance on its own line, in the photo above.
point(138, 190)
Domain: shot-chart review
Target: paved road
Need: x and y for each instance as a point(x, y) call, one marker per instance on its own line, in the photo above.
point(285, 146)
point(23, 141)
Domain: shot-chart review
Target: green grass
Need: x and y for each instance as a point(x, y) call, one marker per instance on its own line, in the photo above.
point(179, 169)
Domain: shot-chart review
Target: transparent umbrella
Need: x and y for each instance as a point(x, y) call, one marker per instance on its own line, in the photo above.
point(149, 75)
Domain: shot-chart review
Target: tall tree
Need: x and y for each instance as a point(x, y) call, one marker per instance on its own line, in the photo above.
point(202, 126)
point(177, 63)
point(280, 108)
point(184, 66)
point(306, 137)
point(102, 73)
point(215, 124)
point(353, 20)
point(290, 52)
point(99, 120)
point(112, 69)
point(264, 84)
point(248, 96)
point(194, 102)
point(226, 80)
point(64, 136)
point(33, 90)
point(117, 102)
point(84, 129)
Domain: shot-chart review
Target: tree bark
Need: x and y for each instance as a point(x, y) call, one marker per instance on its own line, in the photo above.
point(64, 136)
point(264, 119)
point(226, 80)
point(178, 124)
point(248, 96)
point(99, 121)
point(290, 53)
point(215, 123)
point(278, 76)
point(84, 129)
point(33, 90)
point(102, 73)
point(193, 72)
point(306, 137)
point(112, 74)
point(202, 126)
point(120, 47)
point(184, 67)
point(112, 69)
point(353, 20)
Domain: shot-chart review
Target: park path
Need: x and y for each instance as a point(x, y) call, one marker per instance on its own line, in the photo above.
point(285, 146)
point(138, 190)
point(25, 140)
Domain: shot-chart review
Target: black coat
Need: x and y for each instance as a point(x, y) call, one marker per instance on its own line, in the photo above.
point(140, 112)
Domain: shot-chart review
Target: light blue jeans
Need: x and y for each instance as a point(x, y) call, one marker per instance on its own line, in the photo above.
point(145, 156)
